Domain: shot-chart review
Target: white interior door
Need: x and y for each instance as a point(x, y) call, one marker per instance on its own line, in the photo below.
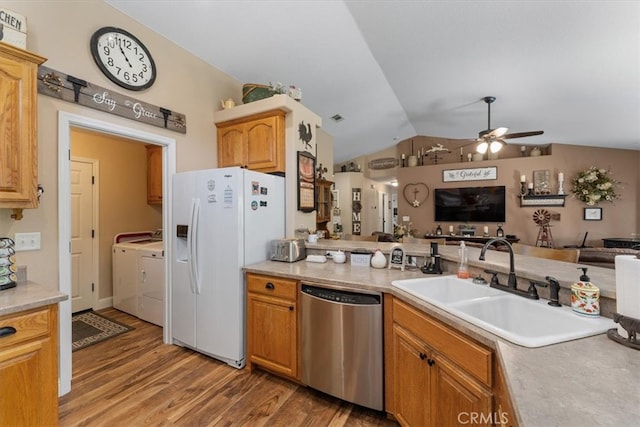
point(82, 229)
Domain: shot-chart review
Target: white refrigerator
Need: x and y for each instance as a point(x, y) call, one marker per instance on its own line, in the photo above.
point(223, 219)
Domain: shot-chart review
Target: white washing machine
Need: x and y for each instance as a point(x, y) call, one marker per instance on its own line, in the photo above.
point(138, 276)
point(151, 283)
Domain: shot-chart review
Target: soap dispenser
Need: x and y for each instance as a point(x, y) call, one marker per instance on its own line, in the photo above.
point(585, 296)
point(463, 271)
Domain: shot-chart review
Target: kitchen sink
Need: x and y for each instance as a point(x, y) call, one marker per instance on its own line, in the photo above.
point(530, 323)
point(443, 290)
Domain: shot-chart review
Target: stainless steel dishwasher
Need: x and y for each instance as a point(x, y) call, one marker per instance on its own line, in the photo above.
point(342, 351)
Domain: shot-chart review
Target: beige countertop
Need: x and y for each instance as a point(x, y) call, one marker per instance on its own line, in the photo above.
point(590, 381)
point(28, 295)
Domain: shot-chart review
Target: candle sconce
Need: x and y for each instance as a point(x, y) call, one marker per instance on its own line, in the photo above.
point(523, 188)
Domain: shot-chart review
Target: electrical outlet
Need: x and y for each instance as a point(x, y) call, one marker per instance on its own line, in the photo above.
point(412, 261)
point(27, 241)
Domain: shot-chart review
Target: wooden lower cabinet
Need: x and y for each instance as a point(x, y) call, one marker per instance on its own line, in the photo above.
point(29, 368)
point(458, 399)
point(434, 375)
point(272, 325)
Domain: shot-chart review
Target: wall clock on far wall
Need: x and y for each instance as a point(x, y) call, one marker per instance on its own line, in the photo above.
point(123, 58)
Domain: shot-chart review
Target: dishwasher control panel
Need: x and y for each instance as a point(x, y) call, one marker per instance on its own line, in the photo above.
point(342, 297)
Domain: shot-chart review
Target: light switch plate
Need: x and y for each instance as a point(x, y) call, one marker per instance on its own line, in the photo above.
point(27, 241)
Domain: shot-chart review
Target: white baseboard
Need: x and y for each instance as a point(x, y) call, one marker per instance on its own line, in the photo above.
point(104, 303)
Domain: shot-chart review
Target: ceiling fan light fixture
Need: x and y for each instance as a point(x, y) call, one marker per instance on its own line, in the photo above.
point(495, 146)
point(482, 147)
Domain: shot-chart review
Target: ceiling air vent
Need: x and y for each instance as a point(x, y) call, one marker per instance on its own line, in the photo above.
point(337, 118)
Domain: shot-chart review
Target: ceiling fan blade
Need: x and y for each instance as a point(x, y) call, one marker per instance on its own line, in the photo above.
point(492, 133)
point(499, 132)
point(522, 134)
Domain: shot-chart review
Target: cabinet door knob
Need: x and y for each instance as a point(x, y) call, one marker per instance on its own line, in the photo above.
point(431, 362)
point(269, 286)
point(6, 331)
point(290, 308)
point(423, 356)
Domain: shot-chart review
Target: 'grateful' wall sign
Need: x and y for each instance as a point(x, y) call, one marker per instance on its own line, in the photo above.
point(472, 174)
point(71, 89)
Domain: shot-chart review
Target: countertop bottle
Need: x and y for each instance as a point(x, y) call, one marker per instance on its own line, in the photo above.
point(463, 270)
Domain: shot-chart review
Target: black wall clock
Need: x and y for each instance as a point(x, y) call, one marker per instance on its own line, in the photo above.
point(123, 58)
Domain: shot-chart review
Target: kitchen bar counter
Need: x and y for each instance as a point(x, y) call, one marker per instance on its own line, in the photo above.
point(527, 267)
point(28, 295)
point(590, 381)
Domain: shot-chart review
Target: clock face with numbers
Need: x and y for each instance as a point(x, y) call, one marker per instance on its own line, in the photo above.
point(123, 58)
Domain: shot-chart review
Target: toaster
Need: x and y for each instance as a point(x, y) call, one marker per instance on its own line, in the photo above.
point(288, 250)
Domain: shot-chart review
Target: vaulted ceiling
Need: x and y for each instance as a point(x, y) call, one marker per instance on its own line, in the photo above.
point(397, 69)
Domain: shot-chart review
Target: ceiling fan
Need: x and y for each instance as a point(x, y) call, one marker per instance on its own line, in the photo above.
point(493, 139)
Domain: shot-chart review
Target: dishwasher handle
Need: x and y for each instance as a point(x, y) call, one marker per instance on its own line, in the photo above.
point(340, 296)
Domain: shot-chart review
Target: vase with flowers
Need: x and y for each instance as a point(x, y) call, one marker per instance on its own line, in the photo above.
point(402, 230)
point(595, 185)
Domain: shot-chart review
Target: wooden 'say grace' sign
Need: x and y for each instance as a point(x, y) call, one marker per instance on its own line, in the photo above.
point(71, 89)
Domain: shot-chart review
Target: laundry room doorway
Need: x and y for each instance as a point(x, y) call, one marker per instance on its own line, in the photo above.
point(121, 205)
point(67, 124)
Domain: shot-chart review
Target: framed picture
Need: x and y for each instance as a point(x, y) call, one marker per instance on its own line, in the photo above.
point(397, 257)
point(306, 182)
point(541, 182)
point(593, 214)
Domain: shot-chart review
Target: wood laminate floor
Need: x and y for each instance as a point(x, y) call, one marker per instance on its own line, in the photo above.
point(134, 380)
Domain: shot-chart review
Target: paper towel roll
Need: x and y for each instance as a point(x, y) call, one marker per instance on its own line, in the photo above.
point(627, 287)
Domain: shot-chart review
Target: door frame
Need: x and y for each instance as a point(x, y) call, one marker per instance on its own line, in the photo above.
point(66, 121)
point(95, 217)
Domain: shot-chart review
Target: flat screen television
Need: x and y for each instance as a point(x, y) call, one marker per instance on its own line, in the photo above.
point(470, 204)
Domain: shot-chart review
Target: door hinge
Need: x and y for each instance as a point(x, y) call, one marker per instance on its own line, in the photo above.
point(93, 234)
point(93, 180)
point(93, 287)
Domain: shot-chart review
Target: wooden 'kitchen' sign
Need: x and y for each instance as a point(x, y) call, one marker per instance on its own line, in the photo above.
point(71, 89)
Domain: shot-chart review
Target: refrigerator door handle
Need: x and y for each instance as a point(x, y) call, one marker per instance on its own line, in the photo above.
point(194, 242)
point(190, 248)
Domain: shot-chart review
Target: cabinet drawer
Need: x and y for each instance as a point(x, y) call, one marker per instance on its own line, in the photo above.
point(472, 357)
point(272, 286)
point(28, 326)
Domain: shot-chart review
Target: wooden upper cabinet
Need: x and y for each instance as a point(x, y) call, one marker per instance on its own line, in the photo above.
point(255, 142)
point(323, 203)
point(18, 127)
point(154, 174)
